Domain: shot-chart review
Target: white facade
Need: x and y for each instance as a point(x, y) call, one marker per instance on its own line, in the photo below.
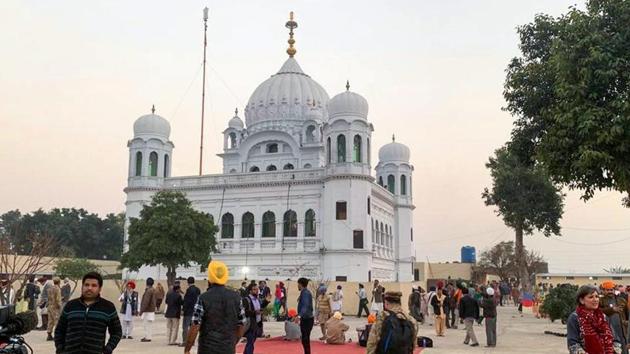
point(300, 168)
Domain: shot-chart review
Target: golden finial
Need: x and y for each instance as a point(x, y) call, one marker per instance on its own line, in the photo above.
point(291, 25)
point(153, 109)
point(393, 138)
point(236, 111)
point(347, 85)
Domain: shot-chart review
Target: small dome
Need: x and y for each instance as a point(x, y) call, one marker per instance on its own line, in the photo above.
point(394, 152)
point(152, 125)
point(348, 103)
point(236, 122)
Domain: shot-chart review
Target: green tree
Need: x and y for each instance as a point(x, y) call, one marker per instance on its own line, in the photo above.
point(569, 91)
point(74, 269)
point(76, 231)
point(526, 199)
point(560, 302)
point(169, 232)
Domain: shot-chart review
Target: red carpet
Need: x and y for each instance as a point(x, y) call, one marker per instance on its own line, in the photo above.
point(278, 346)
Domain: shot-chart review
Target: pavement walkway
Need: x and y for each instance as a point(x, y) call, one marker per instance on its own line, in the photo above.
point(516, 334)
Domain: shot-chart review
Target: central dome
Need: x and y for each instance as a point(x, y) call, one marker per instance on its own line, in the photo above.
point(288, 95)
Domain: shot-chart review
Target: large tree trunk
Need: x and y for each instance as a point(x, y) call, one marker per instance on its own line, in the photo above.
point(521, 263)
point(170, 276)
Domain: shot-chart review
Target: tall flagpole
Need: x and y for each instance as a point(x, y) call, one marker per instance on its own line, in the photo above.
point(203, 85)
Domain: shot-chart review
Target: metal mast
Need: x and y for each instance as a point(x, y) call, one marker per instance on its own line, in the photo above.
point(203, 86)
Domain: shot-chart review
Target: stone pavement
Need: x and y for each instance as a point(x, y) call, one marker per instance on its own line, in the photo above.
point(516, 334)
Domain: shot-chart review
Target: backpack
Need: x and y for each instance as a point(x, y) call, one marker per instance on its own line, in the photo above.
point(397, 335)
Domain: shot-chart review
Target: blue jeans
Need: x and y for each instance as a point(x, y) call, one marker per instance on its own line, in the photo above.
point(251, 339)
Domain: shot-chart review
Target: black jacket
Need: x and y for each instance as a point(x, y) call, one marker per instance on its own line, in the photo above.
point(250, 311)
point(132, 300)
point(190, 299)
point(468, 307)
point(81, 328)
point(489, 307)
point(221, 318)
point(174, 304)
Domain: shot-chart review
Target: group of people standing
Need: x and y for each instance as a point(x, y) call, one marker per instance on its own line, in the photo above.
point(178, 305)
point(46, 296)
point(450, 303)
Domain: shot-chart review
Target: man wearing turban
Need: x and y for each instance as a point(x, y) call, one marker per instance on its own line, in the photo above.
point(218, 317)
point(615, 308)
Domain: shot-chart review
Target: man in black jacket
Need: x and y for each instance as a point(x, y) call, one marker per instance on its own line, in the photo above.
point(190, 299)
point(469, 311)
point(173, 311)
point(84, 321)
point(218, 316)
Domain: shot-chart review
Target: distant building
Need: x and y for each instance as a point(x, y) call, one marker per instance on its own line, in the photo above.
point(581, 278)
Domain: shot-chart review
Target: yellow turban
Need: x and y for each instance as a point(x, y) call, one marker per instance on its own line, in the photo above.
point(217, 273)
point(608, 285)
point(337, 315)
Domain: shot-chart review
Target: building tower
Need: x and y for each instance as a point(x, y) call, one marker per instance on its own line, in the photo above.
point(348, 184)
point(394, 172)
point(150, 161)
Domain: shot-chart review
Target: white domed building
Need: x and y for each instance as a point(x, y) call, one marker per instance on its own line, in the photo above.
point(297, 195)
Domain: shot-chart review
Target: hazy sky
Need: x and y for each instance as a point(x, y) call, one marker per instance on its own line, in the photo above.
point(74, 75)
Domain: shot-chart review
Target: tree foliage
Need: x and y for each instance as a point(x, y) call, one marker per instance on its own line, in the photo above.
point(569, 91)
point(525, 198)
point(169, 232)
point(560, 302)
point(501, 260)
point(76, 231)
point(74, 269)
point(617, 270)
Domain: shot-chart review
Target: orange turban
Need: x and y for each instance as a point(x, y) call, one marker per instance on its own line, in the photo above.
point(371, 318)
point(292, 312)
point(608, 285)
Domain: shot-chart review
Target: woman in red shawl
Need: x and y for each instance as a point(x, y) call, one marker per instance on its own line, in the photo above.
point(588, 331)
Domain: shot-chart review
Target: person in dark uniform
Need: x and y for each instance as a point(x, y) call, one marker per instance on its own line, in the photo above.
point(218, 316)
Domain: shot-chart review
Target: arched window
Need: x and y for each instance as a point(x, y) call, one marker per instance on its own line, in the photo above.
point(232, 140)
point(372, 230)
point(380, 181)
point(308, 165)
point(356, 151)
point(369, 205)
point(341, 148)
point(391, 184)
point(254, 169)
point(309, 223)
point(369, 152)
point(227, 226)
point(381, 240)
point(272, 148)
point(329, 150)
point(269, 224)
point(138, 163)
point(403, 185)
point(310, 134)
point(288, 167)
point(272, 168)
point(153, 163)
point(290, 224)
point(233, 170)
point(166, 165)
point(248, 225)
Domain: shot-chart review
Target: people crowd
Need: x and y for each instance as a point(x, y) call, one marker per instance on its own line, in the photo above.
point(222, 317)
